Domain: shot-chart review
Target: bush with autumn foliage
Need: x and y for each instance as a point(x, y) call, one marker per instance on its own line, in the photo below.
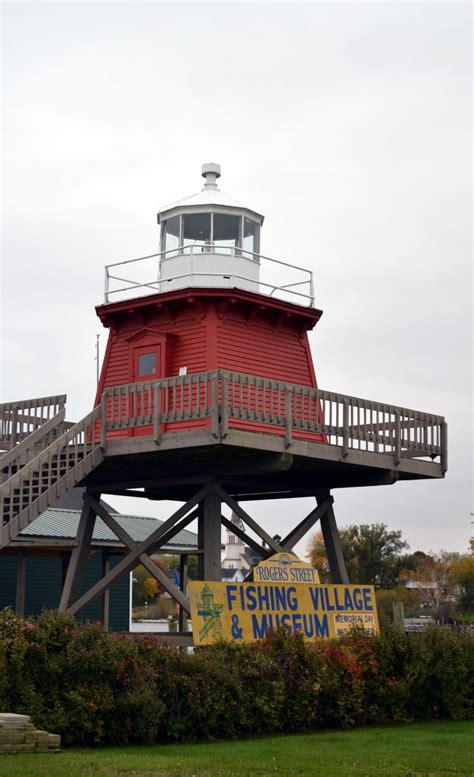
point(97, 688)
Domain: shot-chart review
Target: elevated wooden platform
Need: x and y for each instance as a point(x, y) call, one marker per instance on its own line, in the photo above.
point(207, 440)
point(249, 465)
point(259, 438)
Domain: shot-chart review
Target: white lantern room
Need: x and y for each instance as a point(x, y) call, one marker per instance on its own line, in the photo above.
point(209, 240)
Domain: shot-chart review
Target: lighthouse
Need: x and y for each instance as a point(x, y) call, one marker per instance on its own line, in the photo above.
point(208, 397)
point(218, 301)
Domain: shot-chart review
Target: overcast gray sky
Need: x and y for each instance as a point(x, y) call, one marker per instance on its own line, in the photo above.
point(347, 125)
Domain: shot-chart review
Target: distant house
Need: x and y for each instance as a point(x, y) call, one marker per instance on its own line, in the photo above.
point(33, 567)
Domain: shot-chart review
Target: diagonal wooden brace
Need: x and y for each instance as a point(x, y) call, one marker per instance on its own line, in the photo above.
point(306, 524)
point(273, 544)
point(78, 556)
point(131, 560)
point(147, 562)
point(263, 552)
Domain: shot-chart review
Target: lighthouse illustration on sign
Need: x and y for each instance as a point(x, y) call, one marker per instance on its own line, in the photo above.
point(211, 614)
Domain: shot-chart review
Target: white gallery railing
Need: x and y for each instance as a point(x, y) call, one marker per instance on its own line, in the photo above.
point(150, 274)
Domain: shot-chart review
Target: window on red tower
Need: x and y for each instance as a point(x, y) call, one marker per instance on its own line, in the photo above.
point(146, 364)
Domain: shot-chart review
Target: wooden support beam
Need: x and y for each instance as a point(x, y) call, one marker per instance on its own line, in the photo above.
point(172, 532)
point(144, 559)
point(199, 472)
point(132, 559)
point(78, 556)
point(246, 518)
point(20, 583)
point(183, 582)
point(306, 524)
point(337, 565)
point(209, 537)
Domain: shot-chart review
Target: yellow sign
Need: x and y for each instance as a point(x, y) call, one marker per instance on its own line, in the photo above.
point(245, 612)
point(285, 568)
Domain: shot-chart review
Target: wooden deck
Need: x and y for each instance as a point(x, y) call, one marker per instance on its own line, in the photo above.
point(263, 437)
point(259, 438)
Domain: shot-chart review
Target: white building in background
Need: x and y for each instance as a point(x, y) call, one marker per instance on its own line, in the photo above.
point(235, 564)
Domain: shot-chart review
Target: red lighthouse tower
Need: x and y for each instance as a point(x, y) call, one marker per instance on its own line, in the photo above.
point(208, 396)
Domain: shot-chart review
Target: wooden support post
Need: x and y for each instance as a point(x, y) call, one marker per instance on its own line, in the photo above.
point(105, 565)
point(183, 575)
point(209, 537)
point(20, 583)
point(337, 565)
point(78, 556)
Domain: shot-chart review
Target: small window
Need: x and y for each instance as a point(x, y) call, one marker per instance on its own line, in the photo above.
point(197, 229)
point(170, 235)
point(147, 364)
point(226, 230)
point(251, 236)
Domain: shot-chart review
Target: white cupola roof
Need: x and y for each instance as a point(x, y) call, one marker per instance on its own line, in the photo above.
point(209, 198)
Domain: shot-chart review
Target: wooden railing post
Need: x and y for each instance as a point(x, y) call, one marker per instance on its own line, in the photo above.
point(214, 405)
point(345, 428)
point(444, 445)
point(224, 412)
point(157, 415)
point(288, 418)
point(103, 421)
point(14, 423)
point(397, 451)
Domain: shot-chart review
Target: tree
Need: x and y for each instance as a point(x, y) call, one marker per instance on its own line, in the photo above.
point(139, 597)
point(434, 575)
point(173, 562)
point(372, 552)
point(386, 597)
point(152, 588)
point(146, 587)
point(463, 576)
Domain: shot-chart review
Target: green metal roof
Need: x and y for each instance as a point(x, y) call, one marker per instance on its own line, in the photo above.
point(59, 524)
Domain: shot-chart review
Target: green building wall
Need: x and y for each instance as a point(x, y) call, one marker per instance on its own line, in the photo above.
point(44, 582)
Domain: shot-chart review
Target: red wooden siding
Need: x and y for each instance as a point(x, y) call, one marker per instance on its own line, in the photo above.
point(204, 333)
point(258, 349)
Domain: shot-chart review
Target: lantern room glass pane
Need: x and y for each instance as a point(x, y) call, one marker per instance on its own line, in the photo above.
point(226, 231)
point(251, 236)
point(170, 239)
point(197, 229)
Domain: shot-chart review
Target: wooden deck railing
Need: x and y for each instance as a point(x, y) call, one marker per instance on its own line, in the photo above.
point(19, 419)
point(220, 401)
point(233, 400)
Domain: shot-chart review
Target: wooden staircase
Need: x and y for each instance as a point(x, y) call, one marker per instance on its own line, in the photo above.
point(44, 464)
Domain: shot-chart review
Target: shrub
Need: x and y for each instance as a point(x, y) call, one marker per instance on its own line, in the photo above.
point(97, 688)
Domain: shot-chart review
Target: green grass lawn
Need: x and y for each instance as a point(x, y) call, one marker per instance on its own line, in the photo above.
point(411, 750)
